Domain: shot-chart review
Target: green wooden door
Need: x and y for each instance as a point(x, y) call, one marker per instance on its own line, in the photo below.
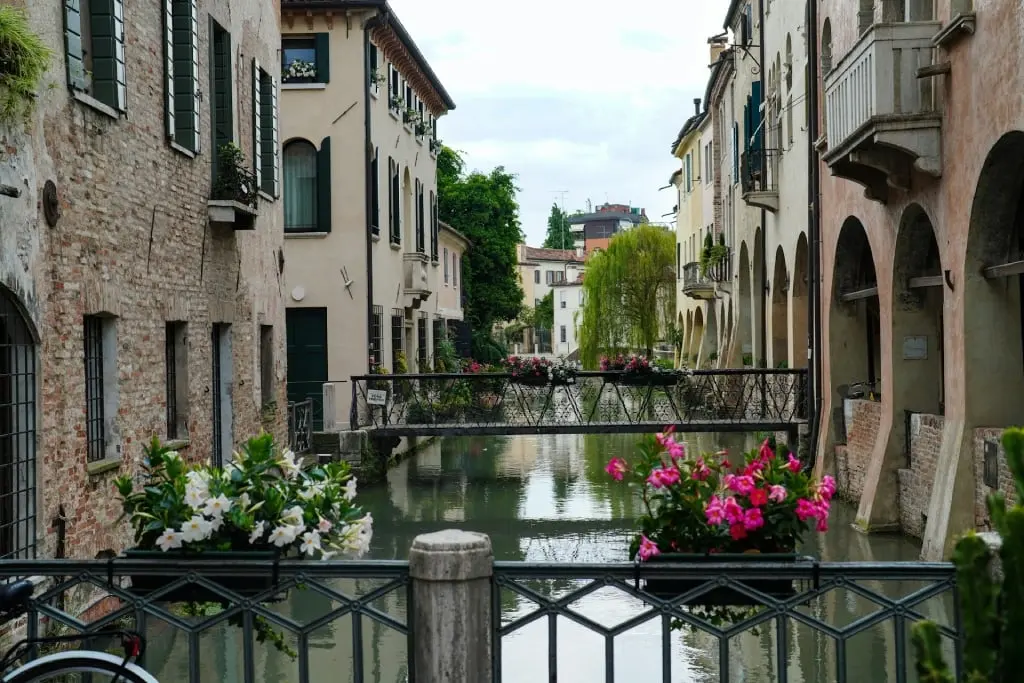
point(307, 358)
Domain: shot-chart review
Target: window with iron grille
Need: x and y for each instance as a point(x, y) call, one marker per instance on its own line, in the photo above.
point(433, 227)
point(375, 191)
point(437, 333)
point(267, 384)
point(421, 340)
point(418, 198)
point(17, 433)
point(377, 337)
point(95, 432)
point(176, 373)
point(216, 339)
point(394, 203)
point(397, 336)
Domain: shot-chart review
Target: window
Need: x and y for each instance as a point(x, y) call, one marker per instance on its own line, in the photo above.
point(221, 80)
point(377, 338)
point(394, 203)
point(176, 372)
point(455, 270)
point(181, 51)
point(536, 277)
point(397, 335)
point(94, 47)
point(268, 387)
point(306, 59)
point(689, 172)
point(394, 89)
point(735, 152)
point(307, 186)
point(221, 380)
point(374, 66)
point(437, 335)
point(554, 276)
point(265, 131)
point(679, 261)
point(408, 101)
point(562, 302)
point(446, 265)
point(420, 237)
point(561, 331)
point(101, 390)
point(421, 343)
point(433, 227)
point(375, 193)
point(708, 164)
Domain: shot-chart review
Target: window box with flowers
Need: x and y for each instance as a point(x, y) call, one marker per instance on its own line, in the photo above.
point(636, 370)
point(299, 71)
point(540, 371)
point(435, 146)
point(702, 508)
point(396, 104)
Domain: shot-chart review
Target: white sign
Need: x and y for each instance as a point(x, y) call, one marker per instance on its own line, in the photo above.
point(915, 348)
point(377, 397)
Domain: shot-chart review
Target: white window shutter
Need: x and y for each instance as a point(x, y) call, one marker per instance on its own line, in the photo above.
point(169, 66)
point(119, 58)
point(194, 14)
point(257, 144)
point(277, 136)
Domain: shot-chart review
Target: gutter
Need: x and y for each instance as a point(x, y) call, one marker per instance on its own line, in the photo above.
point(814, 238)
point(368, 25)
point(764, 213)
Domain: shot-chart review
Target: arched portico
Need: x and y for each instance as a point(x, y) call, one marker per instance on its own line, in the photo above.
point(798, 289)
point(780, 312)
point(746, 329)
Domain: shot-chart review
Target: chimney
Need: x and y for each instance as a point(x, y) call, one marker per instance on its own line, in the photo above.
point(696, 106)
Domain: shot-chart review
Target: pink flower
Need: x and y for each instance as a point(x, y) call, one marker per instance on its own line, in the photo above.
point(766, 452)
point(742, 484)
point(715, 512)
point(648, 548)
point(676, 450)
point(733, 511)
point(752, 519)
point(700, 471)
point(822, 524)
point(617, 468)
point(793, 464)
point(777, 494)
point(758, 497)
point(663, 476)
point(827, 488)
point(806, 509)
point(738, 531)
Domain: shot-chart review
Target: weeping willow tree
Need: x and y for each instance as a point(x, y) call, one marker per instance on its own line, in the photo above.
point(629, 294)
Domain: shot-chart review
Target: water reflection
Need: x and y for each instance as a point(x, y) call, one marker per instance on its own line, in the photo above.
point(547, 498)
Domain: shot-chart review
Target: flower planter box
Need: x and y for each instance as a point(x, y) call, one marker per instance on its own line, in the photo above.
point(531, 381)
point(144, 585)
point(720, 596)
point(652, 379)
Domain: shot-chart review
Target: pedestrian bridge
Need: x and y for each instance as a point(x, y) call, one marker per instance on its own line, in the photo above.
point(466, 404)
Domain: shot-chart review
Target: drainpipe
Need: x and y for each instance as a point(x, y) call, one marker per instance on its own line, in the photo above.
point(376, 20)
point(814, 233)
point(764, 175)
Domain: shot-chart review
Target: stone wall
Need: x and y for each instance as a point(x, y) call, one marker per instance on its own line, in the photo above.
point(916, 481)
point(134, 242)
point(852, 459)
point(981, 491)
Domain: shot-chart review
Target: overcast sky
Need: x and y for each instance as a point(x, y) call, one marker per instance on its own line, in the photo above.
point(578, 95)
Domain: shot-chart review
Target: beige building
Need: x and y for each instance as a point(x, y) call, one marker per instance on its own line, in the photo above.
point(139, 290)
point(539, 271)
point(363, 250)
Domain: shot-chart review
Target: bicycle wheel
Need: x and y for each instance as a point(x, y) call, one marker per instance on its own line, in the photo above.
point(61, 667)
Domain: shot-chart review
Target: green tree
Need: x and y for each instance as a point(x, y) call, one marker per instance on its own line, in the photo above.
point(544, 315)
point(483, 207)
point(629, 294)
point(558, 236)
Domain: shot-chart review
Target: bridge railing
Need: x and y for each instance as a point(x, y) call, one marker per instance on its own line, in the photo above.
point(300, 425)
point(497, 403)
point(375, 621)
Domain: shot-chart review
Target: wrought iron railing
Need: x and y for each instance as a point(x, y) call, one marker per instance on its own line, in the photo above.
point(595, 402)
point(693, 279)
point(300, 425)
point(236, 183)
point(758, 170)
point(345, 620)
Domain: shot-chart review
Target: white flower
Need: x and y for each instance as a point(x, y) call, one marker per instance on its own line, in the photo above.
point(310, 542)
point(169, 539)
point(355, 538)
point(196, 529)
point(324, 526)
point(244, 501)
point(284, 534)
point(288, 464)
point(215, 507)
point(172, 455)
point(257, 531)
point(198, 477)
point(292, 516)
point(216, 522)
point(311, 492)
point(195, 496)
point(328, 554)
point(350, 489)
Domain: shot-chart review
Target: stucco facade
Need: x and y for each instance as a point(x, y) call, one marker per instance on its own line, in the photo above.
point(127, 310)
point(913, 221)
point(362, 268)
point(568, 301)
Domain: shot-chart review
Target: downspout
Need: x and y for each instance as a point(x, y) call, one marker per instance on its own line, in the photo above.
point(814, 233)
point(764, 213)
point(378, 19)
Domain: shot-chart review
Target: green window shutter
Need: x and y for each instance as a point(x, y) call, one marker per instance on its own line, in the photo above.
point(223, 111)
point(185, 40)
point(275, 152)
point(108, 68)
point(193, 92)
point(73, 44)
point(169, 67)
point(257, 136)
point(375, 193)
point(323, 57)
point(323, 185)
point(391, 200)
point(268, 134)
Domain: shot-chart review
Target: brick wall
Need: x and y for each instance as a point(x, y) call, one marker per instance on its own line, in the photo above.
point(1006, 483)
point(134, 241)
point(915, 482)
point(853, 458)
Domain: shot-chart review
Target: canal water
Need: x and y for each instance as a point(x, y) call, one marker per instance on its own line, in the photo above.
point(548, 499)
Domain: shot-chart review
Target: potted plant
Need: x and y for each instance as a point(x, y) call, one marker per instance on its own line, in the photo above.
point(634, 370)
point(377, 78)
point(421, 128)
point(261, 505)
point(700, 508)
point(435, 145)
point(24, 59)
point(233, 181)
point(529, 371)
point(299, 71)
point(410, 116)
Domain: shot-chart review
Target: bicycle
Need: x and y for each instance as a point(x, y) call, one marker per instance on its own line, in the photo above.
point(14, 599)
point(859, 390)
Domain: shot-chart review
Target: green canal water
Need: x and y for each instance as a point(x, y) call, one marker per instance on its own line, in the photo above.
point(548, 499)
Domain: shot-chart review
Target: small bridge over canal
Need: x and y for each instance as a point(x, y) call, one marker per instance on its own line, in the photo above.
point(767, 400)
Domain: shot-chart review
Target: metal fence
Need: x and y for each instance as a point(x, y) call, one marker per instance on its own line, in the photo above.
point(594, 402)
point(300, 425)
point(347, 620)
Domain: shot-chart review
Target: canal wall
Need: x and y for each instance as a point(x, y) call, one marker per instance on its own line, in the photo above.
point(369, 458)
point(852, 458)
point(1003, 479)
point(917, 479)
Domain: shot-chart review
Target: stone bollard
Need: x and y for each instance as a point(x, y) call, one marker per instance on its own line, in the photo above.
point(450, 617)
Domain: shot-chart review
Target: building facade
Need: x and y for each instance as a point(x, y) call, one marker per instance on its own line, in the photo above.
point(594, 230)
point(141, 236)
point(362, 238)
point(568, 301)
point(540, 270)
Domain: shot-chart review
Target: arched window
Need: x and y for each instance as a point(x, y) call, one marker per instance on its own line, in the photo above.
point(300, 187)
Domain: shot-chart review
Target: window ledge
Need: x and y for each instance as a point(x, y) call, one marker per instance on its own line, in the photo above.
point(375, 94)
point(303, 86)
point(407, 127)
point(267, 196)
point(375, 237)
point(183, 150)
point(393, 114)
point(92, 102)
point(396, 246)
point(305, 235)
point(176, 444)
point(229, 212)
point(419, 141)
point(102, 466)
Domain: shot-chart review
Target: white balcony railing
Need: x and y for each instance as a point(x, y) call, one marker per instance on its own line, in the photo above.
point(878, 77)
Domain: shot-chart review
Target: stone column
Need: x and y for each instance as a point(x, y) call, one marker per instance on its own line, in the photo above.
point(450, 616)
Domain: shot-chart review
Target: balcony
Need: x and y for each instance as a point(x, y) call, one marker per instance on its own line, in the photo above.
point(234, 196)
point(695, 285)
point(760, 187)
point(881, 119)
point(416, 279)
